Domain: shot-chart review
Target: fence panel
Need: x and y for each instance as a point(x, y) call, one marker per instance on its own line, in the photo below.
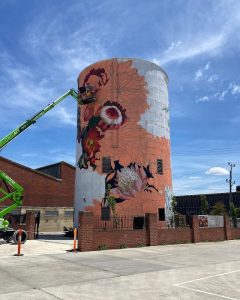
point(114, 223)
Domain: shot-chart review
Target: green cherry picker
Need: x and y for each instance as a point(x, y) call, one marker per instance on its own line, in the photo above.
point(11, 190)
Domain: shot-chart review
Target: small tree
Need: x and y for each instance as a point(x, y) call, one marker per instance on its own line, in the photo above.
point(233, 214)
point(111, 201)
point(174, 204)
point(238, 212)
point(204, 205)
point(218, 209)
point(173, 209)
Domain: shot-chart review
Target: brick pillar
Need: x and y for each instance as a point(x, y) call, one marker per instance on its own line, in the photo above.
point(152, 229)
point(227, 228)
point(85, 231)
point(30, 224)
point(195, 229)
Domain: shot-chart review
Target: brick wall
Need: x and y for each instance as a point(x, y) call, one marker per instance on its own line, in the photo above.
point(212, 234)
point(42, 190)
point(235, 233)
point(172, 236)
point(29, 226)
point(117, 238)
point(90, 238)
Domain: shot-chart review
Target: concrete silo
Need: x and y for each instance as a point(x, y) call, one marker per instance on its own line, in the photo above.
point(123, 142)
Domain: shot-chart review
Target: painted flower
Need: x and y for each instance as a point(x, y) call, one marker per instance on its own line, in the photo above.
point(129, 181)
point(91, 142)
point(112, 115)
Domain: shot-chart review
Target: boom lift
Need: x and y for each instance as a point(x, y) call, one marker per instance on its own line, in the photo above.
point(9, 189)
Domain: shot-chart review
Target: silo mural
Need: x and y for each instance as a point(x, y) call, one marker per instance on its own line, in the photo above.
point(123, 143)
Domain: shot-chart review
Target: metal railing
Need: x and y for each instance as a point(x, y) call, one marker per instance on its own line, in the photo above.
point(114, 223)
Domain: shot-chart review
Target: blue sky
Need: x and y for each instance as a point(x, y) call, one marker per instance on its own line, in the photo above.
point(45, 44)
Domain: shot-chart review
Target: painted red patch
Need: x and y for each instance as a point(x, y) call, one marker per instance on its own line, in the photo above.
point(112, 113)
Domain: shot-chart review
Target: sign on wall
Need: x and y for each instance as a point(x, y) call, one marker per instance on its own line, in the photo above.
point(210, 221)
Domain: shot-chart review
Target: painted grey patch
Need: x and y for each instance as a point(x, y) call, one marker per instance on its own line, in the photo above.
point(156, 119)
point(83, 194)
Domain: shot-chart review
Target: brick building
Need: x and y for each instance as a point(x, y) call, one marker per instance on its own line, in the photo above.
point(48, 190)
point(191, 204)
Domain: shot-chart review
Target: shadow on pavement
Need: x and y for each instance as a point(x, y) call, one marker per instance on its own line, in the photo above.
point(53, 237)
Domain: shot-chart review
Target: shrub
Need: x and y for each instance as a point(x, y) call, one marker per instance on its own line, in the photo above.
point(102, 247)
point(218, 209)
point(123, 246)
point(140, 245)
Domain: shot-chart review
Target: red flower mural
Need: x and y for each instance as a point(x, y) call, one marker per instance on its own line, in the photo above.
point(111, 115)
point(91, 142)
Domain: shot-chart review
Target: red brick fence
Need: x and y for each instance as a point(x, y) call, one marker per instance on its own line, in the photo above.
point(91, 238)
point(28, 226)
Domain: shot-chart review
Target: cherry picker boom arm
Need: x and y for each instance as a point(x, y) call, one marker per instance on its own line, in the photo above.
point(9, 189)
point(7, 139)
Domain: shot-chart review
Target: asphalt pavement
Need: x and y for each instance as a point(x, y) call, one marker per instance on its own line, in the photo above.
point(190, 271)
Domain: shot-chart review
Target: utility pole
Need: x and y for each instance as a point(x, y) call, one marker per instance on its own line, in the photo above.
point(231, 183)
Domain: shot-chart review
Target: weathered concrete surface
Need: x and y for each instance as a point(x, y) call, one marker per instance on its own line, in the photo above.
point(45, 245)
point(192, 271)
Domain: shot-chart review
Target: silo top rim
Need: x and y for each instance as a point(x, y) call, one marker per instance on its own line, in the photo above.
point(130, 58)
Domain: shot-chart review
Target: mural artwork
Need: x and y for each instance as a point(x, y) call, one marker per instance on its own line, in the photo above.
point(109, 116)
point(118, 126)
point(126, 182)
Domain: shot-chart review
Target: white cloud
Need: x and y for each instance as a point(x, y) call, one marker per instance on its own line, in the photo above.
point(208, 36)
point(234, 88)
point(207, 66)
point(194, 47)
point(65, 117)
point(212, 78)
point(173, 46)
point(198, 74)
point(57, 59)
point(203, 99)
point(217, 171)
point(222, 95)
point(70, 52)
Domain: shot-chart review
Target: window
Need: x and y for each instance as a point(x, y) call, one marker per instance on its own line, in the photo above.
point(138, 222)
point(68, 213)
point(161, 214)
point(51, 213)
point(159, 166)
point(106, 164)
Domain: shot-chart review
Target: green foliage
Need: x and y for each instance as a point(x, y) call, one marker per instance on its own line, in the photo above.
point(218, 209)
point(238, 212)
point(233, 214)
point(174, 204)
point(140, 245)
point(204, 205)
point(110, 199)
point(123, 246)
point(102, 247)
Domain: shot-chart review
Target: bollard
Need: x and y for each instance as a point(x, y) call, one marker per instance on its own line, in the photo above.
point(75, 240)
point(19, 243)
